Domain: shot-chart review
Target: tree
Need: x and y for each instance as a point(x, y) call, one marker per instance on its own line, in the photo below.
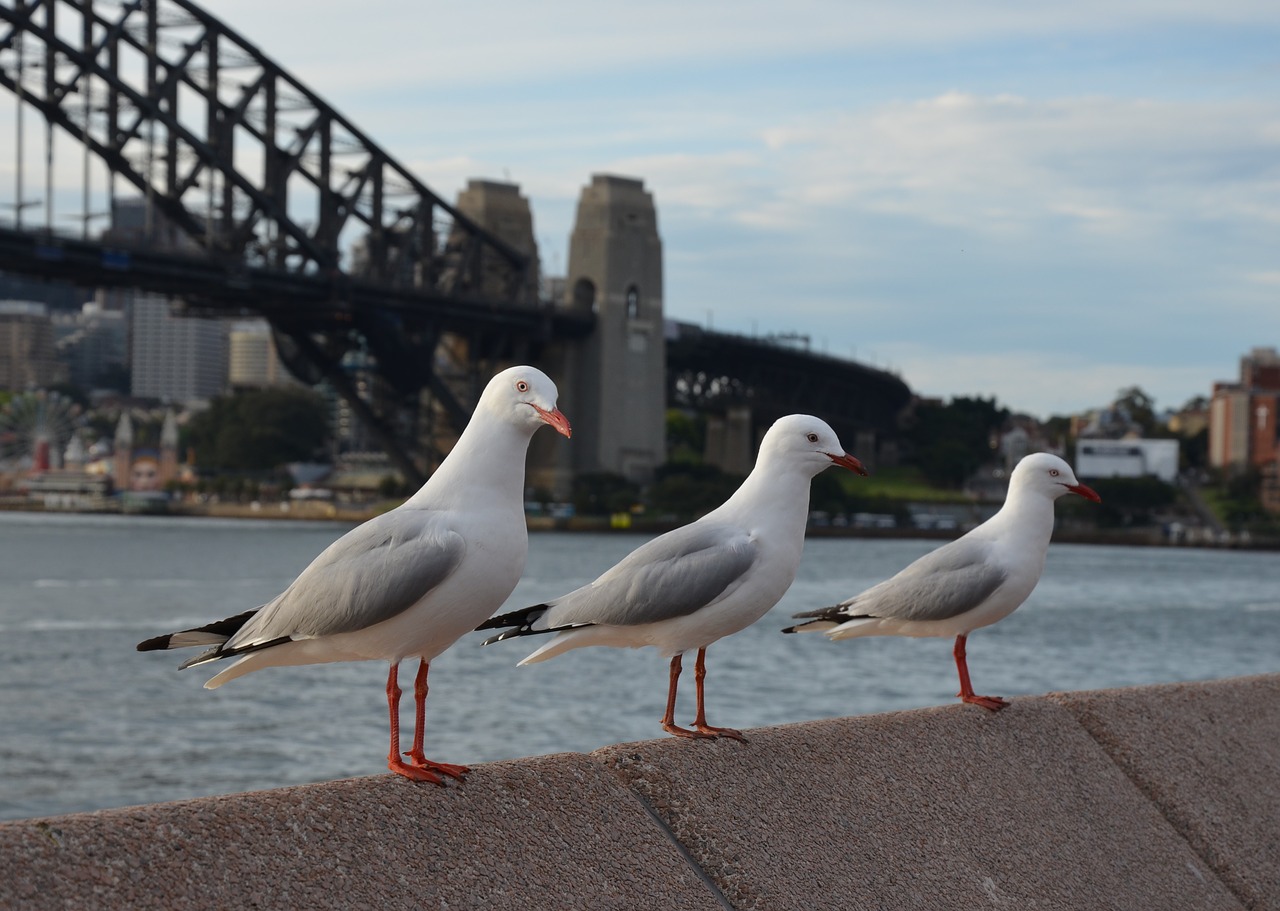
point(602, 493)
point(1140, 407)
point(686, 436)
point(952, 441)
point(685, 489)
point(259, 430)
point(1128, 501)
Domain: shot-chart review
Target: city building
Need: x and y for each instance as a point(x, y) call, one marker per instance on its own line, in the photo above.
point(28, 358)
point(253, 360)
point(1243, 430)
point(174, 358)
point(93, 343)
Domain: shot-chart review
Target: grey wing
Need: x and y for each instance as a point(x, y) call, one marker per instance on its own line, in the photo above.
point(940, 585)
point(370, 574)
point(671, 576)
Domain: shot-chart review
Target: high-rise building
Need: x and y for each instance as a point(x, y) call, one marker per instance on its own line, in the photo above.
point(174, 358)
point(253, 360)
point(94, 343)
point(27, 355)
point(1243, 430)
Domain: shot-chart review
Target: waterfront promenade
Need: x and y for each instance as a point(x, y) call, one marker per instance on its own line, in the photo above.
point(1149, 797)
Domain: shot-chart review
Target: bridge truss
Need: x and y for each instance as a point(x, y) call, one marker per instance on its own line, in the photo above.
point(262, 198)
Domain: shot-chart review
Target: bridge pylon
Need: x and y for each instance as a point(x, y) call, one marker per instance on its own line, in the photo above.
point(613, 382)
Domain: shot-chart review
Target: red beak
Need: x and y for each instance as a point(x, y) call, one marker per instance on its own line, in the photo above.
point(844, 460)
point(1087, 492)
point(555, 417)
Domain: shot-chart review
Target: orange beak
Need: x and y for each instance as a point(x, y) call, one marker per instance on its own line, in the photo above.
point(844, 460)
point(555, 417)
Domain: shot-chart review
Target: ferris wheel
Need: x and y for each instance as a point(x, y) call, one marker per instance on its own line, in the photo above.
point(35, 427)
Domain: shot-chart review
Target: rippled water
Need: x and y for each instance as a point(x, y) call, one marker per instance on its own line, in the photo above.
point(87, 722)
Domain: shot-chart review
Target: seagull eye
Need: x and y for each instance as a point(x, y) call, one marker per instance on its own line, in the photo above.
point(1053, 472)
point(522, 386)
point(812, 437)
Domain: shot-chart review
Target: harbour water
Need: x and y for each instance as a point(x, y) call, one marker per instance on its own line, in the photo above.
point(87, 722)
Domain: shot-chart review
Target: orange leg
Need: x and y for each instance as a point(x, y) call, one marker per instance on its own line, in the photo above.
point(394, 762)
point(993, 703)
point(416, 757)
point(669, 720)
point(700, 723)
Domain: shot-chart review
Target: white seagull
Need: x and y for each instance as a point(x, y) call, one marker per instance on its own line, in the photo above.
point(410, 582)
point(971, 582)
point(691, 586)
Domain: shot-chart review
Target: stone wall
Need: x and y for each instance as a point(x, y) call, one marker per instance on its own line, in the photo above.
point(1164, 797)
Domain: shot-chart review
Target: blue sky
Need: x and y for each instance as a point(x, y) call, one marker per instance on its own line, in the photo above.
point(1039, 202)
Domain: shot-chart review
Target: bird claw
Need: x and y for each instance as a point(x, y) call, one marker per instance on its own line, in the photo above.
point(412, 772)
point(721, 732)
point(990, 703)
point(444, 768)
point(678, 731)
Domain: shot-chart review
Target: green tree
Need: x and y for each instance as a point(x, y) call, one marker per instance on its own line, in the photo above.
point(952, 441)
point(1140, 407)
point(603, 493)
point(685, 489)
point(1127, 501)
point(686, 436)
point(259, 430)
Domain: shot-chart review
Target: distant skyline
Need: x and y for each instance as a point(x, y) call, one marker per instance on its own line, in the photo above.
point(1040, 203)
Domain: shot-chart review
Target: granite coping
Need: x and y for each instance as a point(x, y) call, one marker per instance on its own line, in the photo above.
point(1207, 755)
point(1149, 797)
point(947, 808)
point(550, 832)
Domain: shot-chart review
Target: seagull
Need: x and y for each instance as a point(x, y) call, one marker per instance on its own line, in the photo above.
point(411, 581)
point(698, 583)
point(971, 582)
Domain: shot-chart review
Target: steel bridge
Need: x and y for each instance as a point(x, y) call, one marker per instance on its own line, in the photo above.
point(282, 205)
point(263, 199)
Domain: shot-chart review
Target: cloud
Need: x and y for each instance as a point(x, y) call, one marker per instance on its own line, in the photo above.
point(445, 46)
point(1046, 383)
point(998, 164)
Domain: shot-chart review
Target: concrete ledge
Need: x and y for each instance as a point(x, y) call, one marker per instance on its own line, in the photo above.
point(941, 808)
point(1155, 797)
point(552, 832)
point(1207, 755)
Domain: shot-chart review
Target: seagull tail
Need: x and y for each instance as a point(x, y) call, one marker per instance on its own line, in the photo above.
point(518, 623)
point(213, 634)
point(824, 618)
point(813, 626)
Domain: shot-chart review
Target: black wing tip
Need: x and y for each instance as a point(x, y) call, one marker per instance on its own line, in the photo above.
point(225, 628)
point(520, 618)
point(834, 612)
point(791, 629)
point(505, 634)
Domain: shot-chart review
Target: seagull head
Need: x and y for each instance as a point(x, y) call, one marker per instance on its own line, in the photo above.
point(527, 397)
point(807, 441)
point(1051, 476)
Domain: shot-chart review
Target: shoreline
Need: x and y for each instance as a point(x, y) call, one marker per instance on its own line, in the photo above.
point(322, 511)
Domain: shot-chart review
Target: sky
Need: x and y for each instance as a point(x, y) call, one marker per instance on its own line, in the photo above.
point(1044, 203)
